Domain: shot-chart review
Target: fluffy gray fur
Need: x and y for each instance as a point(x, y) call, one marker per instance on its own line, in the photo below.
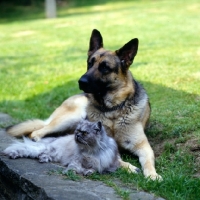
point(87, 151)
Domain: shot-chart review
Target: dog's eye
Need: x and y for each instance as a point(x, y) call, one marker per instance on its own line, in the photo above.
point(89, 65)
point(104, 69)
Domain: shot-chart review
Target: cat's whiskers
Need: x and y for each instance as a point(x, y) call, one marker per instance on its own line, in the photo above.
point(88, 145)
point(89, 149)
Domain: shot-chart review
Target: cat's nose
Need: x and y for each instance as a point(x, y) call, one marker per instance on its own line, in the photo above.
point(77, 136)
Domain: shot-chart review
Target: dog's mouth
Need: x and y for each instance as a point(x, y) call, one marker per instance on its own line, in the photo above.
point(96, 87)
point(84, 85)
point(88, 86)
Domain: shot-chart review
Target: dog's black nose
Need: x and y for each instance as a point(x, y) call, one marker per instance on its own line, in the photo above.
point(83, 83)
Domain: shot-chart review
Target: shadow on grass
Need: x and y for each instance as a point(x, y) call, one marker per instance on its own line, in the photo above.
point(174, 113)
point(12, 13)
point(39, 106)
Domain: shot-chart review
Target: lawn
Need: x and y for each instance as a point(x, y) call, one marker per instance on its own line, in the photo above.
point(42, 59)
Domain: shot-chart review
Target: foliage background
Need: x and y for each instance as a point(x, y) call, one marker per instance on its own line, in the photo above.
point(42, 59)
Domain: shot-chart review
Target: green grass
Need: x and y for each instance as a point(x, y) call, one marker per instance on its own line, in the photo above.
point(41, 61)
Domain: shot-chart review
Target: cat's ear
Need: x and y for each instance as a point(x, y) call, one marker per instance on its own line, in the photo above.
point(86, 118)
point(98, 126)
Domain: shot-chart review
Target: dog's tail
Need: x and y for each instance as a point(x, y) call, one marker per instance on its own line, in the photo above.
point(25, 128)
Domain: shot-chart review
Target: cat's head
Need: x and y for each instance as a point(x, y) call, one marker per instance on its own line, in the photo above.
point(88, 133)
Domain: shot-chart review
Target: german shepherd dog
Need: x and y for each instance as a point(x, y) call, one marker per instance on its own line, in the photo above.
point(112, 96)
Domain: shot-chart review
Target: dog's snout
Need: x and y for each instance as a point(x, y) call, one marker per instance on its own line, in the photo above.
point(83, 82)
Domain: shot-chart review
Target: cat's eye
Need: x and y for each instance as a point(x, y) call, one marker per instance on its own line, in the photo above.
point(97, 130)
point(84, 133)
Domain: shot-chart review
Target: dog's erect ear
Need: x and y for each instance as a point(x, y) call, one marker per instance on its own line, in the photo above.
point(96, 42)
point(127, 53)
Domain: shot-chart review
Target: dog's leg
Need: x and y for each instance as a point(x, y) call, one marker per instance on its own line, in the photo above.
point(64, 118)
point(25, 128)
point(146, 155)
point(138, 144)
point(128, 166)
point(48, 129)
point(63, 123)
point(66, 123)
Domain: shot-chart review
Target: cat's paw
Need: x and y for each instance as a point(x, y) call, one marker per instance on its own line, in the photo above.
point(68, 172)
point(88, 172)
point(13, 154)
point(43, 158)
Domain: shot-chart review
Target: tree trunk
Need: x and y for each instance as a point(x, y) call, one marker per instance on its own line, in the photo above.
point(50, 8)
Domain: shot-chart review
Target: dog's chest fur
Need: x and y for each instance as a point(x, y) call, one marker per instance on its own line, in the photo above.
point(119, 123)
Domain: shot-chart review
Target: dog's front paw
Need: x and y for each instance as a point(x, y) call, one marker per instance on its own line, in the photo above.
point(154, 176)
point(37, 135)
point(130, 168)
point(133, 169)
point(34, 137)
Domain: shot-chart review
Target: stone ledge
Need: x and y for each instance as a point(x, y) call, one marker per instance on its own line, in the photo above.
point(28, 179)
point(24, 179)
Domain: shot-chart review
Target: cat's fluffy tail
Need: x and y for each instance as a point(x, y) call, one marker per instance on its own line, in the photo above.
point(25, 128)
point(28, 148)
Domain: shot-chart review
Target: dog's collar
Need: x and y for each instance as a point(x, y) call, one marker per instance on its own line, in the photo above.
point(114, 108)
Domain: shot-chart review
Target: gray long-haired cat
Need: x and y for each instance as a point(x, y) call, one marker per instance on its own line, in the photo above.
point(87, 151)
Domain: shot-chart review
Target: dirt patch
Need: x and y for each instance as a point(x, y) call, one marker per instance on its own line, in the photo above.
point(191, 146)
point(157, 146)
point(194, 147)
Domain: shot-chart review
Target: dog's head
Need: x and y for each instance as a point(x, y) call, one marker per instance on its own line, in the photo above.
point(106, 69)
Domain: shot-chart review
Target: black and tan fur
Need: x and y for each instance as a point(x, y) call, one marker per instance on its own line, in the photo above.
point(112, 96)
